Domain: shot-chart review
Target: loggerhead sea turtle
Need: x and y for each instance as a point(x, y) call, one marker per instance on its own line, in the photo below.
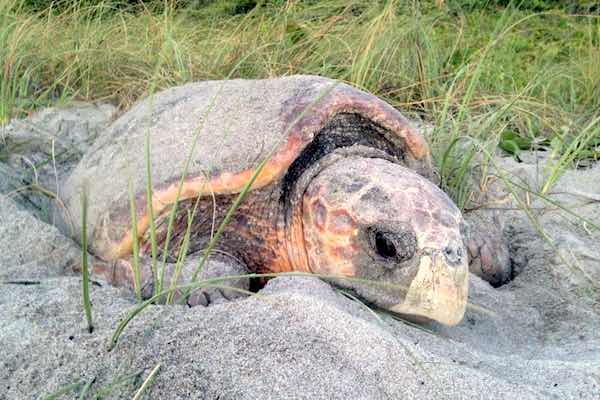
point(346, 190)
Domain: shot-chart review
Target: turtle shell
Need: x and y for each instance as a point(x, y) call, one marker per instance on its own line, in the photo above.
point(227, 128)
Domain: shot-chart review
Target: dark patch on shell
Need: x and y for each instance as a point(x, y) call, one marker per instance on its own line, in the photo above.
point(343, 130)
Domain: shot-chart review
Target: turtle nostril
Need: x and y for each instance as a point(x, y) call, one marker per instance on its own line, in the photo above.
point(453, 255)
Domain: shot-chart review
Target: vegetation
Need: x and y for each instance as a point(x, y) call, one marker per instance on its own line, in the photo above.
point(85, 388)
point(474, 68)
point(85, 278)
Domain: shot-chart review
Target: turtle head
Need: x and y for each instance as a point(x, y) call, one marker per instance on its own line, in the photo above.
point(372, 219)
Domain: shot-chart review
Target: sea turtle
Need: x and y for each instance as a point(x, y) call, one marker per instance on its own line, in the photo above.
point(346, 190)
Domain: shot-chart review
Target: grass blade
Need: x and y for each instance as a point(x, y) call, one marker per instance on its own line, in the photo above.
point(63, 391)
point(149, 380)
point(86, 389)
point(87, 305)
point(149, 197)
point(137, 276)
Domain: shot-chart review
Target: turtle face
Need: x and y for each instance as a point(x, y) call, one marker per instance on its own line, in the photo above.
point(372, 219)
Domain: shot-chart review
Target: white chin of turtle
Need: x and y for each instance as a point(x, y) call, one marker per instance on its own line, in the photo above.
point(438, 291)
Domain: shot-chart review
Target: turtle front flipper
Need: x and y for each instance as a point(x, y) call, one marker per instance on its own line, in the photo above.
point(488, 252)
point(216, 291)
point(216, 267)
point(120, 273)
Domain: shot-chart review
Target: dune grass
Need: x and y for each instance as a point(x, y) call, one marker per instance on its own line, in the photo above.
point(84, 389)
point(498, 75)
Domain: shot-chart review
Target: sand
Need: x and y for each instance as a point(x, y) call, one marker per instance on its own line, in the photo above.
point(536, 337)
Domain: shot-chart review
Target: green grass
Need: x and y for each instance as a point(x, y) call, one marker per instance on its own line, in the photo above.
point(135, 261)
point(85, 279)
point(84, 389)
point(147, 383)
point(478, 73)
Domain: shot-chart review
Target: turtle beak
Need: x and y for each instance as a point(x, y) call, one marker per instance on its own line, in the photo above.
point(439, 289)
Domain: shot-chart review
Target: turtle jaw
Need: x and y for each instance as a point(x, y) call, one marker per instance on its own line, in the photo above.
point(438, 291)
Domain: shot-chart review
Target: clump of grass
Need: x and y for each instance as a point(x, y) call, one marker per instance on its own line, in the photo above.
point(65, 390)
point(84, 387)
point(569, 152)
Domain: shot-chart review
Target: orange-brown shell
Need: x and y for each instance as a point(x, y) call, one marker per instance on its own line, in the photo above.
point(237, 124)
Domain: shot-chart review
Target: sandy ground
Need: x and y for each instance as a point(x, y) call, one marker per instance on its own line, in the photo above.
point(535, 337)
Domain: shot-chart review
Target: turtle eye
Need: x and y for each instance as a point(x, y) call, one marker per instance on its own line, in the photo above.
point(384, 246)
point(396, 246)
